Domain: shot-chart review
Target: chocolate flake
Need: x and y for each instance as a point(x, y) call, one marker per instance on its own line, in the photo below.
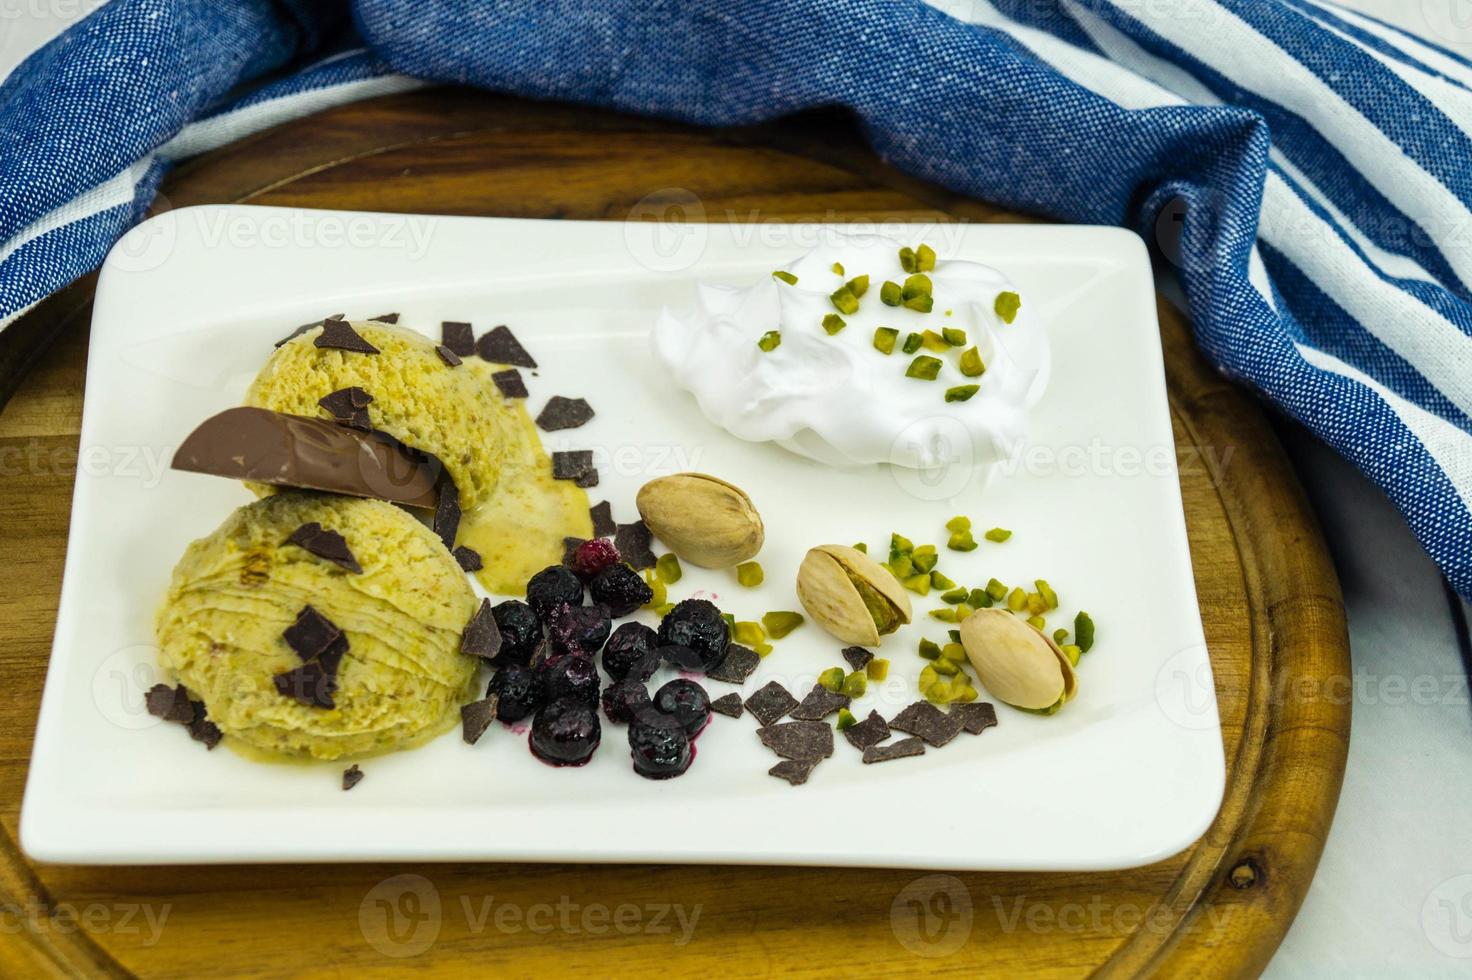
point(603, 525)
point(311, 684)
point(340, 335)
point(457, 336)
point(633, 544)
point(728, 705)
point(929, 722)
point(586, 480)
point(871, 731)
point(468, 558)
point(482, 637)
point(447, 510)
point(351, 776)
point(770, 703)
point(858, 658)
point(976, 716)
point(448, 356)
point(819, 704)
point(739, 663)
point(903, 749)
point(804, 741)
point(476, 717)
point(169, 703)
point(510, 383)
point(385, 318)
point(572, 464)
point(349, 406)
point(201, 729)
point(540, 654)
point(570, 547)
point(328, 545)
point(796, 773)
point(312, 634)
point(564, 413)
point(500, 346)
point(305, 327)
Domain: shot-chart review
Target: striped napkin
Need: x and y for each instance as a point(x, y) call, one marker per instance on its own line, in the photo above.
point(1305, 170)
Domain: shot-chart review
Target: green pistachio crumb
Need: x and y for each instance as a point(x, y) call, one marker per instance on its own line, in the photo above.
point(877, 669)
point(838, 268)
point(890, 293)
point(785, 276)
point(980, 599)
point(1036, 604)
point(846, 719)
point(844, 300)
point(971, 363)
point(929, 649)
point(939, 581)
point(918, 584)
point(779, 624)
point(998, 534)
point(954, 596)
point(656, 586)
point(907, 260)
point(770, 340)
point(1046, 591)
point(912, 343)
point(901, 567)
point(924, 367)
point(996, 590)
point(749, 574)
point(920, 304)
point(884, 338)
point(961, 393)
point(834, 323)
point(961, 541)
point(668, 568)
point(900, 545)
point(664, 609)
point(855, 684)
point(924, 557)
point(954, 652)
point(1037, 622)
point(1060, 634)
point(945, 667)
point(748, 632)
point(917, 285)
point(1072, 652)
point(924, 258)
point(959, 523)
point(1007, 305)
point(955, 635)
point(861, 546)
point(933, 341)
point(944, 615)
point(1083, 631)
point(1017, 599)
point(832, 679)
point(858, 285)
point(954, 336)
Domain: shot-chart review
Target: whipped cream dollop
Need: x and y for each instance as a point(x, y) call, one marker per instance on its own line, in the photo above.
point(837, 399)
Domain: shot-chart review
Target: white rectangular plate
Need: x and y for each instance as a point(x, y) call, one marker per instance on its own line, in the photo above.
point(186, 312)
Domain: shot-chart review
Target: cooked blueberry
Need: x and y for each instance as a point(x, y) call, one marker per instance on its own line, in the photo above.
point(578, 629)
point(620, 588)
point(659, 746)
point(592, 557)
point(569, 676)
point(697, 625)
point(625, 700)
point(521, 631)
point(686, 702)
point(631, 652)
point(520, 692)
point(553, 586)
point(565, 733)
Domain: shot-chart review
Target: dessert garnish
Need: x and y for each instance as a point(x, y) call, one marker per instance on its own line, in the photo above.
point(781, 622)
point(458, 337)
point(927, 721)
point(348, 406)
point(447, 512)
point(570, 676)
point(321, 645)
point(201, 729)
point(770, 702)
point(307, 326)
point(518, 692)
point(1017, 663)
point(566, 732)
point(625, 700)
point(482, 637)
point(521, 631)
point(819, 704)
point(633, 543)
point(581, 630)
point(750, 574)
point(902, 749)
point(325, 544)
point(620, 588)
point(351, 776)
point(658, 745)
point(703, 519)
point(739, 663)
point(698, 626)
point(858, 658)
point(340, 335)
point(668, 568)
point(603, 523)
point(385, 318)
point(573, 464)
point(450, 358)
point(476, 717)
point(564, 413)
point(805, 741)
point(312, 634)
point(975, 717)
point(500, 346)
point(592, 556)
point(169, 703)
point(728, 705)
point(467, 558)
point(796, 773)
point(686, 702)
point(632, 651)
point(871, 731)
point(510, 383)
point(850, 595)
point(553, 586)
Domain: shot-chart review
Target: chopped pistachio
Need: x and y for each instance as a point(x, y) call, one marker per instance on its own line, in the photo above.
point(832, 679)
point(933, 341)
point(884, 338)
point(924, 367)
point(954, 652)
point(965, 692)
point(924, 557)
point(959, 523)
point(971, 363)
point(996, 590)
point(961, 393)
point(656, 586)
point(1017, 599)
point(749, 574)
point(954, 596)
point(834, 323)
point(1036, 604)
point(901, 567)
point(838, 268)
point(939, 581)
point(1060, 634)
point(1007, 305)
point(917, 285)
point(955, 635)
point(907, 260)
point(924, 258)
point(890, 293)
point(668, 568)
point(961, 541)
point(944, 615)
point(900, 545)
point(945, 666)
point(1037, 622)
point(920, 304)
point(858, 285)
point(998, 534)
point(912, 343)
point(855, 684)
point(980, 598)
point(749, 633)
point(779, 624)
point(929, 649)
point(730, 619)
point(918, 583)
point(861, 546)
point(846, 719)
point(1046, 591)
point(877, 669)
point(954, 336)
point(844, 300)
point(785, 276)
point(770, 340)
point(1072, 651)
point(664, 609)
point(1083, 631)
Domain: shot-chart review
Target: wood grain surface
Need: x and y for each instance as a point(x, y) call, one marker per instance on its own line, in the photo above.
point(1270, 603)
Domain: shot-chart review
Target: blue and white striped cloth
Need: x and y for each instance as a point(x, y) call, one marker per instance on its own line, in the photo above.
point(1306, 169)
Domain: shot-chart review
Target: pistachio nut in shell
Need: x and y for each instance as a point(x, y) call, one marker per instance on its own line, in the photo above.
point(1015, 662)
point(702, 519)
point(851, 596)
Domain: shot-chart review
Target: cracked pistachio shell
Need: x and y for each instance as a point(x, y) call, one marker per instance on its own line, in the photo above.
point(832, 585)
point(1015, 662)
point(705, 520)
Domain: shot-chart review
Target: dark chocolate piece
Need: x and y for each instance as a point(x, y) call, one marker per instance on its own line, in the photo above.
point(603, 525)
point(169, 703)
point(729, 705)
point(448, 356)
point(510, 383)
point(586, 480)
point(447, 511)
point(385, 318)
point(340, 335)
point(351, 776)
point(311, 635)
point(325, 544)
point(975, 717)
point(633, 544)
point(770, 702)
point(572, 464)
point(305, 327)
point(903, 749)
point(482, 637)
point(819, 704)
point(739, 663)
point(468, 558)
point(929, 722)
point(805, 741)
point(871, 731)
point(564, 413)
point(457, 336)
point(858, 658)
point(500, 346)
point(311, 684)
point(262, 446)
point(570, 546)
point(476, 717)
point(796, 773)
point(201, 729)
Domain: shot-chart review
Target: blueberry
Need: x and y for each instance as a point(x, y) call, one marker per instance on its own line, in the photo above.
point(521, 631)
point(569, 676)
point(659, 746)
point(578, 629)
point(686, 702)
point(625, 700)
point(631, 652)
point(620, 588)
point(565, 733)
point(697, 625)
point(551, 587)
point(520, 691)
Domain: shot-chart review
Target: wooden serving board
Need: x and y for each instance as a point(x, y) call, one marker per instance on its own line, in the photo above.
point(1270, 602)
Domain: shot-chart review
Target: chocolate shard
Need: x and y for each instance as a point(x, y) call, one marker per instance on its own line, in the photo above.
point(325, 544)
point(468, 558)
point(858, 658)
point(385, 318)
point(903, 749)
point(572, 464)
point(476, 717)
point(348, 406)
point(739, 663)
point(564, 413)
point(633, 542)
point(447, 511)
point(796, 773)
point(510, 383)
point(351, 776)
point(871, 731)
point(500, 346)
point(306, 327)
point(482, 637)
point(448, 356)
point(570, 547)
point(311, 635)
point(458, 337)
point(169, 703)
point(587, 480)
point(804, 741)
point(819, 704)
point(310, 684)
point(201, 729)
point(770, 702)
point(603, 524)
point(975, 717)
point(263, 446)
point(728, 705)
point(929, 722)
point(340, 335)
